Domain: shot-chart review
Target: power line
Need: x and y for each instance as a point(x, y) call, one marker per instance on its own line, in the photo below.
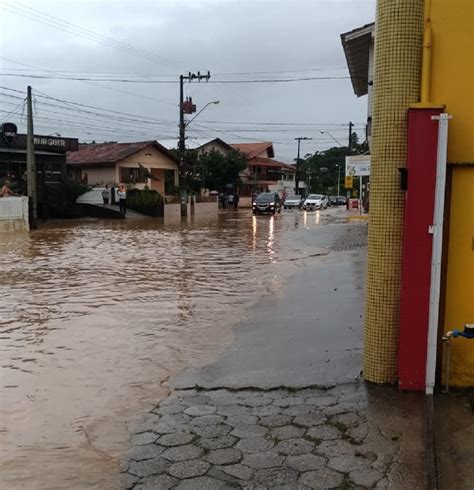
point(143, 118)
point(15, 109)
point(286, 123)
point(113, 89)
point(174, 82)
point(299, 70)
point(87, 106)
point(92, 114)
point(172, 75)
point(70, 28)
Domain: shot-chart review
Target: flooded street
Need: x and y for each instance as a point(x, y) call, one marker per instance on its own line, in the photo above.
point(96, 315)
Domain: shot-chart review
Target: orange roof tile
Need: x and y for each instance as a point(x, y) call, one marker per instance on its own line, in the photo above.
point(251, 150)
point(110, 153)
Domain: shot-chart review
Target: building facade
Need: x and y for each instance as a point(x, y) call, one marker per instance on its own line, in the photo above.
point(420, 72)
point(51, 173)
point(143, 164)
point(263, 172)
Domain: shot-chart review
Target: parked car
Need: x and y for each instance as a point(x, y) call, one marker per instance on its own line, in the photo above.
point(267, 202)
point(341, 200)
point(292, 202)
point(332, 201)
point(315, 201)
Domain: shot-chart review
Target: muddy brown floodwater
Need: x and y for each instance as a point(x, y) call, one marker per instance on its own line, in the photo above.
point(95, 315)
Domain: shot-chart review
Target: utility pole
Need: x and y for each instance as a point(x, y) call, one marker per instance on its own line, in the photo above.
point(297, 174)
point(185, 108)
point(351, 125)
point(31, 164)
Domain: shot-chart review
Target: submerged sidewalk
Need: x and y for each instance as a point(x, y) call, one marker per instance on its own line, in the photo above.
point(284, 406)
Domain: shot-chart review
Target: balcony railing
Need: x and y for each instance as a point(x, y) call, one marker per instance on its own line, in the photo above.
point(273, 176)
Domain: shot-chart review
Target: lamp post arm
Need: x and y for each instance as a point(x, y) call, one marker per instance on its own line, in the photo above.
point(331, 136)
point(207, 105)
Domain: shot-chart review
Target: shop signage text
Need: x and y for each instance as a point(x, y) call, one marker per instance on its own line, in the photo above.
point(358, 165)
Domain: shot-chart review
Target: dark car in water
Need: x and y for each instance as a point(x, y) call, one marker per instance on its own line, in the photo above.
point(341, 200)
point(267, 202)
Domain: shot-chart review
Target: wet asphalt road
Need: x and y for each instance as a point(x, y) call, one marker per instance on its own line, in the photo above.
point(310, 334)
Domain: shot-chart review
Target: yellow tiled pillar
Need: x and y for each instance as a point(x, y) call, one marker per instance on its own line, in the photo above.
point(397, 79)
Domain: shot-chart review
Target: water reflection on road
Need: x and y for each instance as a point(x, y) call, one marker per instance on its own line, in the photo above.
point(95, 315)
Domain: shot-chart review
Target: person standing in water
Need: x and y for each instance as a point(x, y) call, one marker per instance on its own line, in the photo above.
point(106, 195)
point(122, 195)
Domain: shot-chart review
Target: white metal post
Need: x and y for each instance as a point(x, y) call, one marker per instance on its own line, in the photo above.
point(436, 256)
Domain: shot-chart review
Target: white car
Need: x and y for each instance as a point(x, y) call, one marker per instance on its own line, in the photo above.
point(315, 201)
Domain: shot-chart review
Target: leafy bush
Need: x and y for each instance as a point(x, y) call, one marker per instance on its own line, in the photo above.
point(145, 201)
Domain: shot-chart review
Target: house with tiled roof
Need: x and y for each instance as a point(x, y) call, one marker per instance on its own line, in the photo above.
point(263, 172)
point(144, 163)
point(199, 144)
point(258, 149)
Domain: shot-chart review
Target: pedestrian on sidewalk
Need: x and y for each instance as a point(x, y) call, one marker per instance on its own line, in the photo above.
point(122, 195)
point(106, 195)
point(236, 201)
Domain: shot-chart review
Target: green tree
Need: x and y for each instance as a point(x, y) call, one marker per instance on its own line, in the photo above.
point(321, 170)
point(218, 170)
point(213, 170)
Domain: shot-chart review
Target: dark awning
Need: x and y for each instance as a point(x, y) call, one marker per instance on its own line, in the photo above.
point(356, 44)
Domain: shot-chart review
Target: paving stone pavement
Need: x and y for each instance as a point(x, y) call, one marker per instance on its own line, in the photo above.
point(255, 439)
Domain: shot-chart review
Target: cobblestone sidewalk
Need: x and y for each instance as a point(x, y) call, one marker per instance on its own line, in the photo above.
point(254, 439)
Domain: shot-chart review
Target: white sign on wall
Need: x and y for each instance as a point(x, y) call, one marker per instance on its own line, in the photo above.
point(358, 165)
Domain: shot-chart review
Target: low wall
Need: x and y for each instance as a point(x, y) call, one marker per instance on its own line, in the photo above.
point(14, 214)
point(172, 213)
point(245, 202)
point(206, 208)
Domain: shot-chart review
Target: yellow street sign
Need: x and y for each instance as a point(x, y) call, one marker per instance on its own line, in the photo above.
point(348, 182)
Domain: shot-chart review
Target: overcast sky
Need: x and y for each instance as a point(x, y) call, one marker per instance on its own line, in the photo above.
point(159, 40)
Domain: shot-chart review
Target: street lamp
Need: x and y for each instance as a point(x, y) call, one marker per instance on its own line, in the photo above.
point(338, 166)
point(207, 105)
point(322, 131)
point(181, 146)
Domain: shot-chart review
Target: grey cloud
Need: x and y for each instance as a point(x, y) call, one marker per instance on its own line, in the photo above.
point(220, 36)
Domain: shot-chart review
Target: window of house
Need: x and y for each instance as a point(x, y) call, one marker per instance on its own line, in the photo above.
point(170, 186)
point(132, 175)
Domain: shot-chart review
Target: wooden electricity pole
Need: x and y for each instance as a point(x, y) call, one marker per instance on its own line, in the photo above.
point(298, 163)
point(31, 164)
